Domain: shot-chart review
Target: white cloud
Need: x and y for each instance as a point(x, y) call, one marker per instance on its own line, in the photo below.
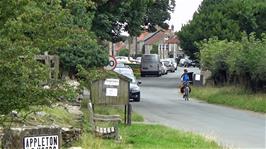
point(184, 11)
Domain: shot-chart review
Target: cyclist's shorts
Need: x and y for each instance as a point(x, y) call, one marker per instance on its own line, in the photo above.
point(182, 89)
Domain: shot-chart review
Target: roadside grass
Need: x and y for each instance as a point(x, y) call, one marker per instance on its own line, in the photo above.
point(136, 136)
point(231, 96)
point(54, 115)
point(118, 110)
point(143, 136)
point(62, 117)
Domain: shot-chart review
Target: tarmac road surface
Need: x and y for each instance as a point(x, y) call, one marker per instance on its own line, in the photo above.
point(162, 103)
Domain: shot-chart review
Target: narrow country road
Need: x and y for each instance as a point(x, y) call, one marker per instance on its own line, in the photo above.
point(162, 103)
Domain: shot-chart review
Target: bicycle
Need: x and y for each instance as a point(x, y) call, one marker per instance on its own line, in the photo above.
point(185, 90)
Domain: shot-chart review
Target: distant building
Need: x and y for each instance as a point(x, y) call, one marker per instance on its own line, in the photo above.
point(163, 42)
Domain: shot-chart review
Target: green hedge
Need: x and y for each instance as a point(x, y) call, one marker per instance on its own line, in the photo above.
point(134, 65)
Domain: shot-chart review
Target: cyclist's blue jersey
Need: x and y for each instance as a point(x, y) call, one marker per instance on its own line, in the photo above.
point(186, 78)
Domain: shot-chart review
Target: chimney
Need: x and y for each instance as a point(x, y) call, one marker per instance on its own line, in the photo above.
point(172, 27)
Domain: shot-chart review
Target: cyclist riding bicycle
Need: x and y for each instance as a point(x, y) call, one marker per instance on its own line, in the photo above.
point(185, 88)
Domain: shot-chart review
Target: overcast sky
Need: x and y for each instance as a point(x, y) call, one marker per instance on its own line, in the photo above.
point(184, 11)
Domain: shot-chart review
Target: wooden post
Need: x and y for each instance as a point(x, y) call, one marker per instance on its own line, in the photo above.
point(125, 114)
point(129, 114)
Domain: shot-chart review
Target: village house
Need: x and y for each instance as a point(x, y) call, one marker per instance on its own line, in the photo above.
point(162, 42)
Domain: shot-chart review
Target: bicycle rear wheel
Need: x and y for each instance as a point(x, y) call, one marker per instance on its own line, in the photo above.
point(186, 93)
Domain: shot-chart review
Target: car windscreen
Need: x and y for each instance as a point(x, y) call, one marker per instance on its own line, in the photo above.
point(129, 75)
point(150, 58)
point(166, 62)
point(172, 60)
point(123, 70)
point(120, 65)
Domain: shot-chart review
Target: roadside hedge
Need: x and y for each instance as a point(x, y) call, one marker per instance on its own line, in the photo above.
point(233, 62)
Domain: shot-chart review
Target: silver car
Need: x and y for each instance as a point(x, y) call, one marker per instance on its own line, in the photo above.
point(173, 61)
point(164, 69)
point(170, 66)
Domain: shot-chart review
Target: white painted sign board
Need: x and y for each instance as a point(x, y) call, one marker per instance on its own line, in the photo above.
point(41, 142)
point(111, 92)
point(112, 82)
point(197, 77)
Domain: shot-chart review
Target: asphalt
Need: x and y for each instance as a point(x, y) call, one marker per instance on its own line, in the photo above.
point(161, 103)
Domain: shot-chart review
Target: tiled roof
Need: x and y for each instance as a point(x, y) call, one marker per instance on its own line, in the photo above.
point(173, 40)
point(154, 38)
point(149, 35)
point(119, 45)
point(142, 36)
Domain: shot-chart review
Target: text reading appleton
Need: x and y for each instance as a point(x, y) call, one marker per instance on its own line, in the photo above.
point(41, 142)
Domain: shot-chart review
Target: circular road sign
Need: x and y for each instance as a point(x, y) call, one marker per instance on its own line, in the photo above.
point(112, 63)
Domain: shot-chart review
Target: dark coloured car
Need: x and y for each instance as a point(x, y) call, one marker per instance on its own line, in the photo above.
point(134, 92)
point(195, 63)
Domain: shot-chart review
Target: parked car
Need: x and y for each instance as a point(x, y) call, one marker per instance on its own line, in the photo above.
point(173, 61)
point(134, 93)
point(138, 60)
point(150, 65)
point(185, 62)
point(163, 68)
point(126, 71)
point(121, 68)
point(132, 60)
point(195, 63)
point(122, 59)
point(170, 66)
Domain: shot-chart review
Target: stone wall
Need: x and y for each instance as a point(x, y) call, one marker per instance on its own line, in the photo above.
point(69, 135)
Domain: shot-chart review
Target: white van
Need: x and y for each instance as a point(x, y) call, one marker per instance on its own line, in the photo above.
point(150, 65)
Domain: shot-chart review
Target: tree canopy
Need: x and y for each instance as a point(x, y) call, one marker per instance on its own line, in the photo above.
point(239, 62)
point(27, 27)
point(114, 17)
point(69, 28)
point(224, 19)
point(56, 27)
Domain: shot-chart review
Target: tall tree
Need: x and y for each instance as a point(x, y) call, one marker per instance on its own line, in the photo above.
point(113, 17)
point(158, 11)
point(82, 48)
point(225, 19)
point(23, 34)
point(31, 27)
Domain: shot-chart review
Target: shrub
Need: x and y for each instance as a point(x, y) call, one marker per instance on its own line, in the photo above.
point(236, 62)
point(123, 52)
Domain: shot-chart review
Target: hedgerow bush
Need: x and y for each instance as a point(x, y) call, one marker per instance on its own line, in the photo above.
point(236, 62)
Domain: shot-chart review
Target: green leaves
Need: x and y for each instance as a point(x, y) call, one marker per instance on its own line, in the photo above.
point(225, 19)
point(243, 60)
point(123, 52)
point(114, 17)
point(30, 27)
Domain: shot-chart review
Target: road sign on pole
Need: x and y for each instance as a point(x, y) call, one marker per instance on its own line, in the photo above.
point(112, 63)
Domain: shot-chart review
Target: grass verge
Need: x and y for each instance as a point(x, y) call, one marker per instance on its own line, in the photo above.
point(231, 96)
point(142, 136)
point(109, 110)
